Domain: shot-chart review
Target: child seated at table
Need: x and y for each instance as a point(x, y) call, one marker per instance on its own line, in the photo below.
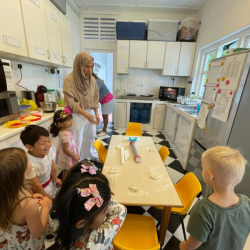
point(89, 218)
point(221, 220)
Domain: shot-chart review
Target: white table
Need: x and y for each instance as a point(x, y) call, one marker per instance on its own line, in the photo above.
point(158, 193)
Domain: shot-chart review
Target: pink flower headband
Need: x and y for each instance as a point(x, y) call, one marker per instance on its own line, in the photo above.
point(64, 113)
point(92, 190)
point(89, 169)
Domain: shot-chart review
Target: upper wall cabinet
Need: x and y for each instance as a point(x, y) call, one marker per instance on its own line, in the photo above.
point(122, 56)
point(146, 54)
point(179, 58)
point(66, 41)
point(54, 33)
point(35, 29)
point(12, 36)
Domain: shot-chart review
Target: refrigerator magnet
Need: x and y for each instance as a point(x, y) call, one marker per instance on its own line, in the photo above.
point(203, 128)
point(223, 78)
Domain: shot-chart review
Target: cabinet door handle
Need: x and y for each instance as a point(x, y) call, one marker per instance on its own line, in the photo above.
point(65, 60)
point(178, 71)
point(62, 59)
point(175, 71)
point(49, 54)
point(144, 64)
point(147, 64)
point(126, 69)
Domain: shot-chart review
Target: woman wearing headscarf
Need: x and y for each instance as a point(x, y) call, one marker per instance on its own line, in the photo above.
point(81, 96)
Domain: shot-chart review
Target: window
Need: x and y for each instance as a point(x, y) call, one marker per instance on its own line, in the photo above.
point(207, 58)
point(248, 44)
point(223, 48)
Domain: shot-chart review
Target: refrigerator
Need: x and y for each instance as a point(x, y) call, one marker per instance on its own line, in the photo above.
point(235, 132)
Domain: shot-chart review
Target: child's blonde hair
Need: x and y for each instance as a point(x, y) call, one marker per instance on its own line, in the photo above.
point(225, 161)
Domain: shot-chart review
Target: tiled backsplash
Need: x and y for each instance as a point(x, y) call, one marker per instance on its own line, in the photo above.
point(149, 81)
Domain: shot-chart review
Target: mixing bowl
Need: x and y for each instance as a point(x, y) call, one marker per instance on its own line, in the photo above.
point(48, 106)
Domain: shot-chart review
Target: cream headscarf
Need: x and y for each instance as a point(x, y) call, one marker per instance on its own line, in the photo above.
point(81, 60)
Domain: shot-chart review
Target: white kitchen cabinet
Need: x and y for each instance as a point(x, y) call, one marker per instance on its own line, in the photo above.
point(159, 115)
point(54, 33)
point(121, 114)
point(146, 54)
point(182, 137)
point(35, 29)
point(122, 56)
point(170, 123)
point(155, 55)
point(138, 54)
point(186, 59)
point(171, 58)
point(12, 36)
point(179, 58)
point(66, 40)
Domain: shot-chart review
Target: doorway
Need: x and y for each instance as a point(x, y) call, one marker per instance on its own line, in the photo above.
point(103, 68)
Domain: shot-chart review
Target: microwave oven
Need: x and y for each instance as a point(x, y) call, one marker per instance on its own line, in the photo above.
point(9, 106)
point(170, 93)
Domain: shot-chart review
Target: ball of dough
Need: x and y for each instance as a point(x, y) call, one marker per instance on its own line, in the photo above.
point(133, 188)
point(155, 176)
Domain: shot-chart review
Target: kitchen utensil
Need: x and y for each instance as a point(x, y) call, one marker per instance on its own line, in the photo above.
point(48, 106)
point(41, 90)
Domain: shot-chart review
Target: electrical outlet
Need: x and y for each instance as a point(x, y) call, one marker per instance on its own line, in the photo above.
point(14, 64)
point(173, 78)
point(139, 85)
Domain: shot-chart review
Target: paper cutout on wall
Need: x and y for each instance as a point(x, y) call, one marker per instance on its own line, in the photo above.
point(201, 119)
point(222, 105)
point(217, 63)
point(210, 94)
point(232, 71)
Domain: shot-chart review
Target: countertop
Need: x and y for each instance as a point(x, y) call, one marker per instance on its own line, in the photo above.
point(8, 132)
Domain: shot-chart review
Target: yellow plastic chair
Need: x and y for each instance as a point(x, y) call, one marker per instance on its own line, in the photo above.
point(137, 232)
point(134, 129)
point(164, 153)
point(187, 188)
point(101, 150)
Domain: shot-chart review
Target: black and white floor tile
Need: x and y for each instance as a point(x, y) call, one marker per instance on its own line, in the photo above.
point(174, 234)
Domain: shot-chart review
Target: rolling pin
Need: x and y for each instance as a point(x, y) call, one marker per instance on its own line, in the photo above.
point(137, 158)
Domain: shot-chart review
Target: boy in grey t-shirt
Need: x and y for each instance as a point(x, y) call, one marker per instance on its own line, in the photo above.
point(222, 220)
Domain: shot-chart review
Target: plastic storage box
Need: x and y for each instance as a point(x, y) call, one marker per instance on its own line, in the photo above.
point(162, 30)
point(135, 30)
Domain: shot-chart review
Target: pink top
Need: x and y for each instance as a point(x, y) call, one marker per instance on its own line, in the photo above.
point(107, 98)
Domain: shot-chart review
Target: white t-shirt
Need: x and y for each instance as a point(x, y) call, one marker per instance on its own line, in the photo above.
point(41, 167)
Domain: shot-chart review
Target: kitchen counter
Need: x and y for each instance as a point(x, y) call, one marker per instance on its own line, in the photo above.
point(9, 132)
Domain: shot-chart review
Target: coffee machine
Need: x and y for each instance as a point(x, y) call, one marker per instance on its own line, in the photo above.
point(41, 90)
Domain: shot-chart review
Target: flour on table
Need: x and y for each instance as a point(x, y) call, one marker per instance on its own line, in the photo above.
point(149, 149)
point(113, 171)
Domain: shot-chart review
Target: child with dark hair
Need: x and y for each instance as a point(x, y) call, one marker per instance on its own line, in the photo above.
point(22, 225)
point(89, 218)
point(67, 153)
point(43, 175)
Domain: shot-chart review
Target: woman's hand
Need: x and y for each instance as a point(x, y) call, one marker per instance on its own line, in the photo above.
point(92, 119)
point(46, 202)
point(98, 120)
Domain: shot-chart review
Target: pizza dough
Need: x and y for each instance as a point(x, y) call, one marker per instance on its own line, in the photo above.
point(134, 188)
point(155, 176)
point(31, 117)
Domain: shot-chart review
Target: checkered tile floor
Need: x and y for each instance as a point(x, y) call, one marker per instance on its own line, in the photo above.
point(174, 234)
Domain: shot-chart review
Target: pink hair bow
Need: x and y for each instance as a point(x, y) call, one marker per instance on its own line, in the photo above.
point(89, 169)
point(92, 190)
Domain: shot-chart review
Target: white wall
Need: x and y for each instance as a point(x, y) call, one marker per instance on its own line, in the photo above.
point(219, 19)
